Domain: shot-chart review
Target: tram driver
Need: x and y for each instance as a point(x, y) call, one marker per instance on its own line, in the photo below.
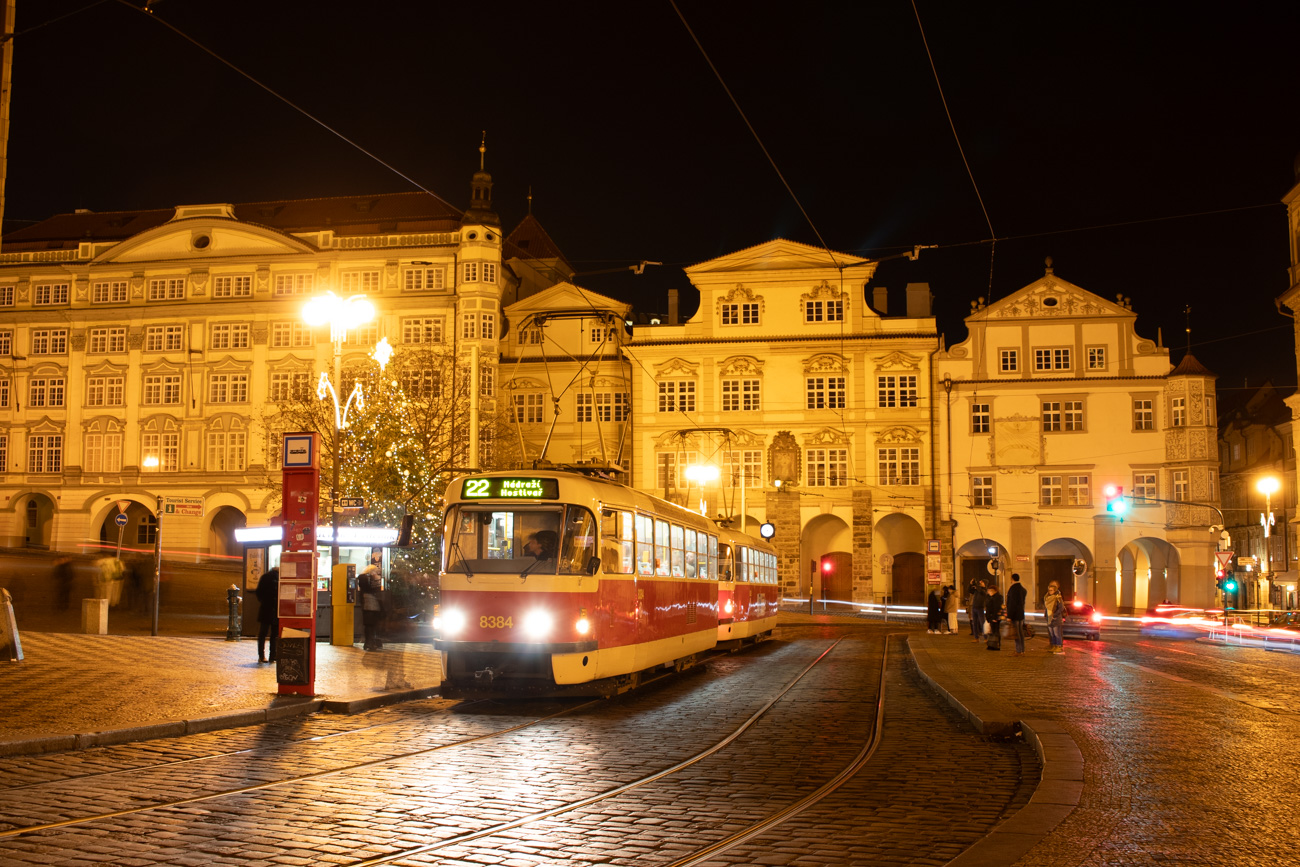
point(542, 545)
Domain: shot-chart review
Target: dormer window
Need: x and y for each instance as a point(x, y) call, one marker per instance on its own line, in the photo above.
point(740, 314)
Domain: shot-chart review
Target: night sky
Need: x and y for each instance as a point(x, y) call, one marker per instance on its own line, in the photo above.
point(1074, 117)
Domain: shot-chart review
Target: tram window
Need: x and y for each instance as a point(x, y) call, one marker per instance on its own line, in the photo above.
point(616, 545)
point(678, 558)
point(578, 544)
point(661, 547)
point(626, 535)
point(690, 553)
point(645, 542)
point(713, 556)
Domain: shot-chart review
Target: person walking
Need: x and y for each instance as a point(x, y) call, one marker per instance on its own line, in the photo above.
point(933, 611)
point(993, 617)
point(975, 609)
point(1016, 594)
point(63, 577)
point(268, 612)
point(372, 608)
point(951, 606)
point(1054, 608)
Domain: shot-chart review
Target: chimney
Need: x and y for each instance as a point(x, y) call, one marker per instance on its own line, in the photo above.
point(880, 299)
point(672, 306)
point(918, 300)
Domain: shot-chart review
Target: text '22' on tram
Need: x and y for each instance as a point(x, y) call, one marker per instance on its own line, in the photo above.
point(559, 583)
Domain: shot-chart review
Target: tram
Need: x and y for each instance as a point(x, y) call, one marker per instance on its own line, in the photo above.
point(555, 582)
point(748, 589)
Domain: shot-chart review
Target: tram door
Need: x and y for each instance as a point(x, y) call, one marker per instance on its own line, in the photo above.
point(909, 579)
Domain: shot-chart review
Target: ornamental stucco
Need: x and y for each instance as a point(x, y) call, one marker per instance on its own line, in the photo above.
point(1052, 299)
point(1017, 441)
point(742, 365)
point(825, 363)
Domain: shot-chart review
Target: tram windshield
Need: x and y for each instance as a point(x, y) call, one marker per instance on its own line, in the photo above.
point(521, 541)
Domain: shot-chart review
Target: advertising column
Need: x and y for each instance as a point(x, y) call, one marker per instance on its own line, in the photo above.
point(295, 669)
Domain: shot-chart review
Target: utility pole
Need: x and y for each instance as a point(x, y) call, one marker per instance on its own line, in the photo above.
point(6, 83)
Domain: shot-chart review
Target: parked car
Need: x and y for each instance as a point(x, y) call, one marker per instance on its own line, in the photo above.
point(1286, 620)
point(1168, 622)
point(1081, 621)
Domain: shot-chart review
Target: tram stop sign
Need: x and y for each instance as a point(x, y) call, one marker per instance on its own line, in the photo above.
point(120, 519)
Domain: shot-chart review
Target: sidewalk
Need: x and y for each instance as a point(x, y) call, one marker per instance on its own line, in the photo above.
point(73, 691)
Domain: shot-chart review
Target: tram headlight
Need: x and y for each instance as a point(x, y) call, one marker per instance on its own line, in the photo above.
point(453, 621)
point(537, 623)
point(583, 626)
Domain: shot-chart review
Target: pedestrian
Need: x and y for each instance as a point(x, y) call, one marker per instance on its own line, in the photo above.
point(268, 612)
point(993, 617)
point(372, 607)
point(975, 600)
point(1016, 594)
point(951, 607)
point(933, 611)
point(1054, 608)
point(63, 581)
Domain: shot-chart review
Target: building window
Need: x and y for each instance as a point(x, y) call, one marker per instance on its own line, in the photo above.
point(6, 343)
point(489, 272)
point(1050, 491)
point(743, 468)
point(427, 329)
point(294, 284)
point(290, 385)
point(108, 292)
point(6, 300)
point(1178, 418)
point(167, 289)
point(421, 383)
point(469, 272)
point(666, 471)
point(1096, 358)
point(1077, 491)
point(1144, 416)
point(1144, 488)
point(1072, 414)
point(468, 326)
point(740, 395)
point(1009, 360)
point(4, 452)
point(823, 311)
point(103, 340)
point(4, 402)
point(360, 282)
point(677, 395)
point(45, 453)
point(740, 314)
point(1051, 415)
point(290, 334)
point(527, 407)
point(487, 326)
point(827, 468)
point(602, 335)
point(164, 338)
point(422, 279)
point(50, 341)
point(981, 492)
point(1180, 486)
point(530, 336)
point(103, 452)
point(980, 416)
point(105, 391)
point(49, 293)
point(1051, 359)
point(611, 406)
point(362, 335)
point(584, 402)
point(232, 335)
point(896, 391)
point(899, 466)
point(46, 392)
point(228, 388)
point(233, 286)
point(825, 392)
point(146, 532)
point(162, 390)
point(160, 452)
point(226, 450)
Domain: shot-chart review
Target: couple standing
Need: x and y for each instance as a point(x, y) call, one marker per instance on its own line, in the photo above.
point(1015, 611)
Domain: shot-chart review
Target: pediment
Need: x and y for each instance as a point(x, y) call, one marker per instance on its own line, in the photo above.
point(1052, 298)
point(226, 238)
point(778, 255)
point(566, 296)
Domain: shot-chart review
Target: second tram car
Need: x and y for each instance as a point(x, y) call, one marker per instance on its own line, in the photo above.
point(553, 581)
point(748, 589)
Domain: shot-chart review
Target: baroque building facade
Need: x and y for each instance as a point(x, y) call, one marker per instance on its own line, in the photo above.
point(1052, 398)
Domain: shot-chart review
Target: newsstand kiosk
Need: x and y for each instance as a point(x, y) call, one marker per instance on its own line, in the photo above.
point(295, 656)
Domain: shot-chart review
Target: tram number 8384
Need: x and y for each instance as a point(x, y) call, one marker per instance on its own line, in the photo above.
point(492, 621)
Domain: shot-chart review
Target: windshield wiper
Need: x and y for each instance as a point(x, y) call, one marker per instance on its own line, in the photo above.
point(464, 561)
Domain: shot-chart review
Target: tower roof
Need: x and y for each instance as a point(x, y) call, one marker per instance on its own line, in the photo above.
point(1189, 366)
point(531, 241)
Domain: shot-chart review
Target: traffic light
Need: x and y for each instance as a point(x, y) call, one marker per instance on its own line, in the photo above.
point(1114, 499)
point(1229, 583)
point(1218, 579)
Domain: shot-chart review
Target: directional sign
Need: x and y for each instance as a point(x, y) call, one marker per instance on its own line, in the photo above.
point(185, 507)
point(1223, 557)
point(352, 504)
point(120, 519)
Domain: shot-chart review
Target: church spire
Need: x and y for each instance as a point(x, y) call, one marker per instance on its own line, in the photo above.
point(480, 205)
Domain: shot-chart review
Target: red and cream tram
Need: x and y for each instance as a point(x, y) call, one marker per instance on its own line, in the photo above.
point(748, 589)
point(553, 581)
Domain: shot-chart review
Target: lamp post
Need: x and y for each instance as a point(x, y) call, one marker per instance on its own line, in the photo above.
point(701, 475)
point(1267, 486)
point(340, 314)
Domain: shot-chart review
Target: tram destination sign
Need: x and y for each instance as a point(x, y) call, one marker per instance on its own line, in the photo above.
point(510, 488)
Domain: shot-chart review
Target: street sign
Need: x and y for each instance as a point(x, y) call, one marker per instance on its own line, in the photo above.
point(1223, 557)
point(352, 504)
point(123, 505)
point(183, 507)
point(120, 519)
point(1247, 561)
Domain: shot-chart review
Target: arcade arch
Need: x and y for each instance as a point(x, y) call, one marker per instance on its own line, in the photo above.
point(827, 538)
point(899, 543)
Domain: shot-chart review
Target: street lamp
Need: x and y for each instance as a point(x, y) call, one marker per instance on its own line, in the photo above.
point(1268, 486)
point(701, 475)
point(340, 314)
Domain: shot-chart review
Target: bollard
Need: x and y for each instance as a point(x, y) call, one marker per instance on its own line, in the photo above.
point(94, 616)
point(235, 624)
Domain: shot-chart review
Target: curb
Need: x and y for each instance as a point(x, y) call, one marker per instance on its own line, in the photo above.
point(1059, 788)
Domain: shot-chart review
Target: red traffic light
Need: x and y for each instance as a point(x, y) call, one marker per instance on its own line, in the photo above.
point(828, 567)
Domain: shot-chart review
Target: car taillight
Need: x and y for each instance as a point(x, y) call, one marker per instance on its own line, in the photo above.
point(1096, 618)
